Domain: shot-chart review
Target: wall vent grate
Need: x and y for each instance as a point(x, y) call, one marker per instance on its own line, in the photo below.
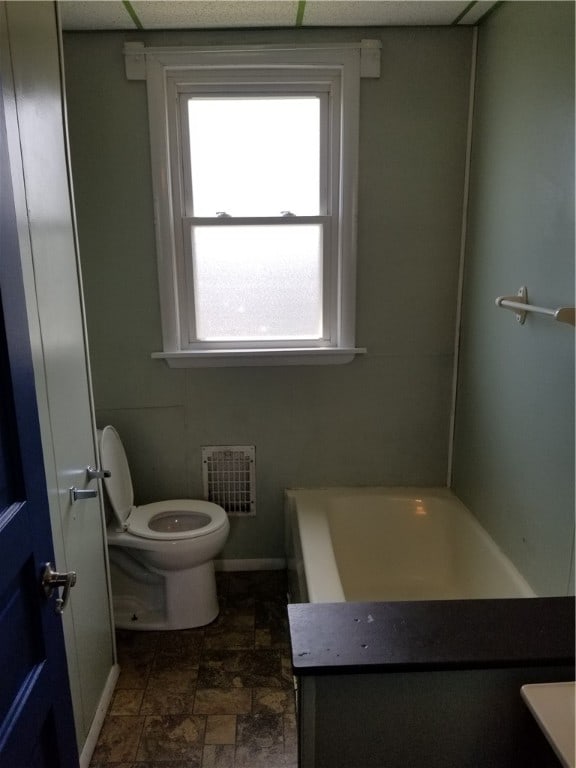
point(228, 477)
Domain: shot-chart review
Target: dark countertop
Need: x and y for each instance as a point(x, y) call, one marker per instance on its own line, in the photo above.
point(329, 638)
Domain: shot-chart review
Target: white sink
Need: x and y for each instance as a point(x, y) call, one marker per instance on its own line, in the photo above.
point(552, 704)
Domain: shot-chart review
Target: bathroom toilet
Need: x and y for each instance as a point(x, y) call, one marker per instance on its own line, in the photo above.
point(161, 554)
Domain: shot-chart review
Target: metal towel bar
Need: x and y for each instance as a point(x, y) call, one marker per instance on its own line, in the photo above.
point(519, 304)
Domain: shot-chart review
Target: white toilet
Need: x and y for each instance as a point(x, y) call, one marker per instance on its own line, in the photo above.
point(161, 554)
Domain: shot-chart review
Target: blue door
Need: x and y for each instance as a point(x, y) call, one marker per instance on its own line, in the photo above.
point(36, 722)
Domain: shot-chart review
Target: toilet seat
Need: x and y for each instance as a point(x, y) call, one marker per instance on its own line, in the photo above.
point(139, 519)
point(136, 520)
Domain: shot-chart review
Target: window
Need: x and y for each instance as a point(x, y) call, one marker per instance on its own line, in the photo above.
point(254, 159)
point(255, 228)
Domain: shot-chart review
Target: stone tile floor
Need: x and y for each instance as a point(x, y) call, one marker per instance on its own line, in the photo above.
point(219, 696)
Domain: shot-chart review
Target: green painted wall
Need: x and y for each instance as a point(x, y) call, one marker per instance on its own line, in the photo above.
point(382, 419)
point(514, 448)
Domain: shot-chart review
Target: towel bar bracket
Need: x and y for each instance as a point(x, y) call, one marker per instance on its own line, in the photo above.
point(520, 306)
point(522, 299)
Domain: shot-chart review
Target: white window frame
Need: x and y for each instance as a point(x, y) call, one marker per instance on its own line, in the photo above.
point(331, 70)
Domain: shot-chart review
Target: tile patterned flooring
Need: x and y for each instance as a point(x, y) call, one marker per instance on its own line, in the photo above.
point(219, 696)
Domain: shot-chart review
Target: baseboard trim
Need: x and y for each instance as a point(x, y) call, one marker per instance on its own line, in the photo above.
point(255, 564)
point(98, 721)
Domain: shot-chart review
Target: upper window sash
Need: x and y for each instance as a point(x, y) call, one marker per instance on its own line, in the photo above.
point(328, 94)
point(231, 221)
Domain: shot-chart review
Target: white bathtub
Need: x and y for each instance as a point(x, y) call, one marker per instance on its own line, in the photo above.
point(381, 544)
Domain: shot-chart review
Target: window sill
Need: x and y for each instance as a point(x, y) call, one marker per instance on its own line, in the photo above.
point(233, 358)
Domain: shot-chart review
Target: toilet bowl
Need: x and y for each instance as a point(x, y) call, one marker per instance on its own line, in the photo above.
point(161, 554)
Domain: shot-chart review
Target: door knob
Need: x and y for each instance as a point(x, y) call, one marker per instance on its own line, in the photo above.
point(51, 580)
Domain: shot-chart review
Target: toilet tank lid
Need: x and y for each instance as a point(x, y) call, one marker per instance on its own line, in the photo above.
point(119, 485)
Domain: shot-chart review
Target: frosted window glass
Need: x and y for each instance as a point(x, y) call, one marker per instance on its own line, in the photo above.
point(258, 282)
point(255, 156)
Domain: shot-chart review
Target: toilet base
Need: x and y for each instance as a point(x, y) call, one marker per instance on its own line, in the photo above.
point(181, 600)
point(132, 614)
point(191, 599)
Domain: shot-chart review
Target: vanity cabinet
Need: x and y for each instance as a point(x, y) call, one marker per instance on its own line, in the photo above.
point(426, 685)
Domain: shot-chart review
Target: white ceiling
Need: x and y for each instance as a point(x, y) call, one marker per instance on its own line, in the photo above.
point(215, 14)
